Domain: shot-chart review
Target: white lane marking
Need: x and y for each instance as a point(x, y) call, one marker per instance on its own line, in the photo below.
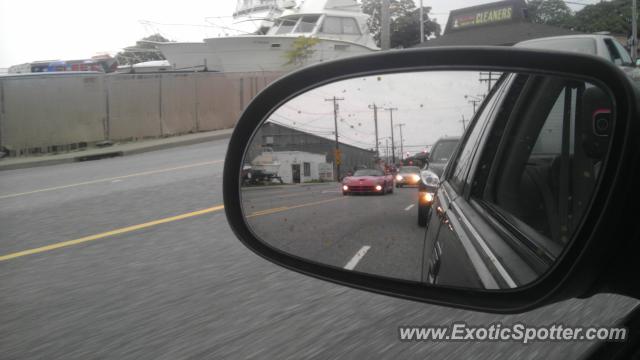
point(409, 207)
point(357, 257)
point(116, 181)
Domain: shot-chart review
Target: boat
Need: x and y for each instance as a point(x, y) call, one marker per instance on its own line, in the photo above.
point(250, 17)
point(313, 32)
point(145, 67)
point(310, 32)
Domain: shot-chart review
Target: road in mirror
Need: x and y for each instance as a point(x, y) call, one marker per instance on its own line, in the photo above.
point(456, 178)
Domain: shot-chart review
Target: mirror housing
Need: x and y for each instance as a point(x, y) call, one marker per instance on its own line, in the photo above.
point(579, 270)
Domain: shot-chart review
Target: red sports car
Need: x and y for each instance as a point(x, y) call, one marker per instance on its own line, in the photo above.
point(367, 181)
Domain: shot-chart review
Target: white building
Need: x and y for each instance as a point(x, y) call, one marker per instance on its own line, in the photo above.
point(300, 167)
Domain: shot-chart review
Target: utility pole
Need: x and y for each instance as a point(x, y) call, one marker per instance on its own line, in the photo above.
point(488, 77)
point(385, 25)
point(337, 155)
point(401, 142)
point(634, 31)
point(422, 23)
point(474, 100)
point(393, 144)
point(464, 125)
point(386, 150)
point(375, 121)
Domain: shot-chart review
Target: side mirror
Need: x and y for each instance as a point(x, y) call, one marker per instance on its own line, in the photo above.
point(506, 238)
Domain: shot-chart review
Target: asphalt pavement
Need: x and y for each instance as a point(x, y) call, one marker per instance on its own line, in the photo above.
point(377, 234)
point(132, 258)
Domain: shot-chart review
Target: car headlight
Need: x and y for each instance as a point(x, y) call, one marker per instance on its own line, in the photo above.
point(428, 197)
point(345, 187)
point(378, 187)
point(429, 178)
point(416, 178)
point(399, 177)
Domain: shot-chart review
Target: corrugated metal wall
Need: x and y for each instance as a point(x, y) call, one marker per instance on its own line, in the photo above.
point(52, 112)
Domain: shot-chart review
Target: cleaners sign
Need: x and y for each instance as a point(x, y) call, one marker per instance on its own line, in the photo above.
point(483, 17)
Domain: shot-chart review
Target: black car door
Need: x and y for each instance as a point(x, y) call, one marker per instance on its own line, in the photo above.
point(519, 186)
point(450, 259)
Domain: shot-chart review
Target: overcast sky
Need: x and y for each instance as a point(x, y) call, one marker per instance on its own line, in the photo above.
point(73, 29)
point(430, 104)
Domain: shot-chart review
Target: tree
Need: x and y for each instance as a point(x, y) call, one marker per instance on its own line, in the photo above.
point(613, 16)
point(550, 12)
point(405, 22)
point(142, 51)
point(302, 50)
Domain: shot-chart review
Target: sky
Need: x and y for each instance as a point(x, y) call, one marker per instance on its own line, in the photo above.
point(429, 104)
point(73, 29)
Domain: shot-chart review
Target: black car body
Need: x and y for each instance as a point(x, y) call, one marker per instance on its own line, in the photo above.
point(438, 159)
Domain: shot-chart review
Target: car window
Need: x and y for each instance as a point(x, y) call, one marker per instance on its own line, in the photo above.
point(547, 169)
point(443, 151)
point(368, 172)
point(410, 169)
point(581, 45)
point(549, 140)
point(624, 54)
point(614, 54)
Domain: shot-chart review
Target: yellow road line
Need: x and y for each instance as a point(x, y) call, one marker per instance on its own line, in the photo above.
point(285, 208)
point(151, 172)
point(109, 233)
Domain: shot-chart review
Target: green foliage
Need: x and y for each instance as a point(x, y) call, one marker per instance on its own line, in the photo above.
point(613, 16)
point(405, 22)
point(142, 51)
point(301, 50)
point(550, 12)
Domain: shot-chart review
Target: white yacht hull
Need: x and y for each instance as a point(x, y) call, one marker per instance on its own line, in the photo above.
point(269, 53)
point(189, 56)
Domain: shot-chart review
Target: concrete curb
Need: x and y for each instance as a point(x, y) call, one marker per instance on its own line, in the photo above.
point(114, 151)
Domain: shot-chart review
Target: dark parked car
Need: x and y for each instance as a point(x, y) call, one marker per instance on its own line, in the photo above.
point(429, 177)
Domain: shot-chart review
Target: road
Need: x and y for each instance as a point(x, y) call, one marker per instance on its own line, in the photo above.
point(376, 234)
point(132, 257)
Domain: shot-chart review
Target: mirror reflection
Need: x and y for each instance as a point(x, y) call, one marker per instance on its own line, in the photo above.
point(456, 178)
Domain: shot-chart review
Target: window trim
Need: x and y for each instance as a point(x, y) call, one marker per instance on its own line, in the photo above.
point(296, 29)
point(455, 157)
point(306, 165)
point(342, 32)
